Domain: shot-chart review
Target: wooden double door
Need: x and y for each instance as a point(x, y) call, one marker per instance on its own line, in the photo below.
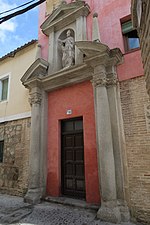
point(72, 162)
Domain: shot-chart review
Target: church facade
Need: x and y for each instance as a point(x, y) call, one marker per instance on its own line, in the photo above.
point(89, 130)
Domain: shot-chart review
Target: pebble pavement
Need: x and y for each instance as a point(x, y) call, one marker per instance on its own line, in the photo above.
point(14, 211)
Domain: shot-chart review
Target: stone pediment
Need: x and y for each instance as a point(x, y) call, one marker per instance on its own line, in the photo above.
point(64, 15)
point(38, 69)
point(90, 48)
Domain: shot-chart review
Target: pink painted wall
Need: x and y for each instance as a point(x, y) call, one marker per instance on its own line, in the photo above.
point(110, 12)
point(79, 98)
point(132, 66)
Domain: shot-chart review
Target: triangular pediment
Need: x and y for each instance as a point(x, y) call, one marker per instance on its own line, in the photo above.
point(38, 69)
point(64, 15)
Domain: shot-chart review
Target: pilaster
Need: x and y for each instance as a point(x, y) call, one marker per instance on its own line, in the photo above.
point(43, 142)
point(117, 137)
point(109, 210)
point(34, 191)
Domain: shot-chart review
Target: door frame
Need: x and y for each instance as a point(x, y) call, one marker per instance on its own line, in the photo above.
point(61, 157)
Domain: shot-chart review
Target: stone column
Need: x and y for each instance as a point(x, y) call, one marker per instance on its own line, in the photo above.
point(44, 137)
point(34, 191)
point(109, 210)
point(118, 138)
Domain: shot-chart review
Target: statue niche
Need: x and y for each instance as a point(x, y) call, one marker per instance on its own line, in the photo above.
point(66, 48)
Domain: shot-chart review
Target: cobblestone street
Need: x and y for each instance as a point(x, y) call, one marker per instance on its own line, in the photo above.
point(14, 211)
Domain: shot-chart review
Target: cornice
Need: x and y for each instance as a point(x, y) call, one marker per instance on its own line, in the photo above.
point(67, 77)
point(62, 78)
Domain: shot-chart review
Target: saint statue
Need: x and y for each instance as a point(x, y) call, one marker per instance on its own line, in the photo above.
point(68, 50)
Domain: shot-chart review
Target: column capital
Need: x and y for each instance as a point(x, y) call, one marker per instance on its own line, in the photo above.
point(99, 80)
point(35, 98)
point(112, 81)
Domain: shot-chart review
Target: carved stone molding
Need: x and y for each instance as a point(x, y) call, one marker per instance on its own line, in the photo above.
point(112, 81)
point(98, 81)
point(107, 82)
point(35, 98)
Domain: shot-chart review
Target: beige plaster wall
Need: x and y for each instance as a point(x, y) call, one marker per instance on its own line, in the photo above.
point(16, 66)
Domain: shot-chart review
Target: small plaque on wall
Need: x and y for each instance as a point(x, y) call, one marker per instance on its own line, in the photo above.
point(69, 112)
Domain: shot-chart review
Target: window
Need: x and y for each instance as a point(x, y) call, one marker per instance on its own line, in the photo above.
point(4, 88)
point(1, 151)
point(131, 40)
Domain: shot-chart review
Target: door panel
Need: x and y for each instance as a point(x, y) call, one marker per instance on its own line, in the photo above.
point(73, 178)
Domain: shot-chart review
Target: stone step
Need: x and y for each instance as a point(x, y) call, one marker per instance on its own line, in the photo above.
point(72, 202)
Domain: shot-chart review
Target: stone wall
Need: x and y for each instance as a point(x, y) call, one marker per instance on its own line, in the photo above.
point(134, 100)
point(14, 168)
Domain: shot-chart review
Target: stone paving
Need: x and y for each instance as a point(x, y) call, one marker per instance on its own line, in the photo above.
point(14, 211)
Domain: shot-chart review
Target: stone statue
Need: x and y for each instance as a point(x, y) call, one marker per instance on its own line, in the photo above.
point(68, 50)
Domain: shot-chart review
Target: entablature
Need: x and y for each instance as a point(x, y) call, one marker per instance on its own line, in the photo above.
point(96, 55)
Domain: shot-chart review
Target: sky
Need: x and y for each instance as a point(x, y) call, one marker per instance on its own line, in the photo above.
point(20, 29)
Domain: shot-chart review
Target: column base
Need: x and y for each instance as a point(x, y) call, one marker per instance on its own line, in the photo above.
point(33, 196)
point(124, 211)
point(109, 212)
